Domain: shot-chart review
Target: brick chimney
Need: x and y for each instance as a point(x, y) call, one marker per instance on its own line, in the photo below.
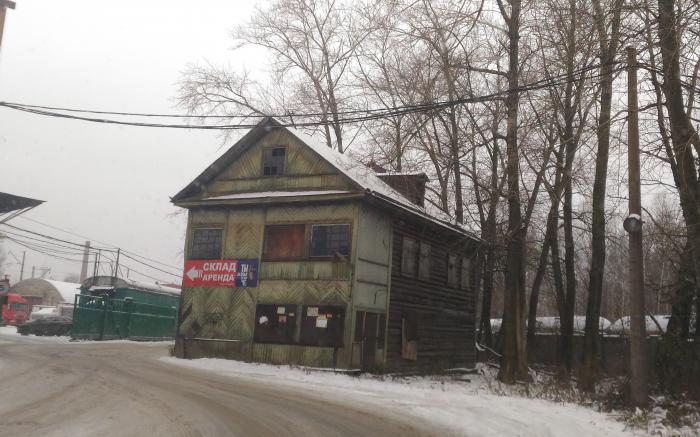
point(411, 185)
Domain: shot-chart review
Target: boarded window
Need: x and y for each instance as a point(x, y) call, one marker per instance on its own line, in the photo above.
point(284, 241)
point(409, 336)
point(424, 262)
point(466, 273)
point(409, 257)
point(322, 325)
point(206, 244)
point(330, 240)
point(273, 161)
point(275, 324)
point(452, 273)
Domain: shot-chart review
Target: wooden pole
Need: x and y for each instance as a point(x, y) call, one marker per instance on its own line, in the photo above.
point(638, 357)
point(4, 4)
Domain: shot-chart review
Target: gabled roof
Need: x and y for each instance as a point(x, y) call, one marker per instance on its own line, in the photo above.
point(360, 175)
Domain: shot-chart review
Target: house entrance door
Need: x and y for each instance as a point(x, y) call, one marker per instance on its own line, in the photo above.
point(369, 332)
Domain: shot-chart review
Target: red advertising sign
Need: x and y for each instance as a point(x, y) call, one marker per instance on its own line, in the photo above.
point(234, 273)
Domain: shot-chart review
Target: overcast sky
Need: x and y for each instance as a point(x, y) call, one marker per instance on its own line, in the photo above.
point(107, 182)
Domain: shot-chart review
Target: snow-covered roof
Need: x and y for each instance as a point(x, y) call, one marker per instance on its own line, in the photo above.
point(109, 282)
point(622, 325)
point(366, 178)
point(402, 173)
point(551, 323)
point(360, 175)
point(263, 194)
point(67, 290)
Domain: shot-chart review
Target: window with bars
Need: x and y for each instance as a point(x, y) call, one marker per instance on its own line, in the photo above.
point(206, 244)
point(273, 161)
point(330, 240)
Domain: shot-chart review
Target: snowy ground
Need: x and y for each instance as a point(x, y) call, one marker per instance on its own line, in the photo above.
point(466, 408)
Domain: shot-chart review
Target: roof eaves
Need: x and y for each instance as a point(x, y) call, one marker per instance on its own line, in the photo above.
point(234, 151)
point(424, 215)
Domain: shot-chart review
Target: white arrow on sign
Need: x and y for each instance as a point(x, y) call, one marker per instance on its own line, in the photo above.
point(193, 273)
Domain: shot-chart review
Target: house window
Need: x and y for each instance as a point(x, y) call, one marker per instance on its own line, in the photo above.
point(409, 257)
point(275, 324)
point(424, 262)
point(330, 240)
point(466, 270)
point(322, 325)
point(284, 241)
point(452, 273)
point(206, 244)
point(273, 161)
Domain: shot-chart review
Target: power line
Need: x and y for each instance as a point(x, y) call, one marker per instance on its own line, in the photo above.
point(102, 242)
point(103, 251)
point(343, 117)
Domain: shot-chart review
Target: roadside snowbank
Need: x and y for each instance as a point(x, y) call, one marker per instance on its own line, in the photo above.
point(12, 331)
point(463, 407)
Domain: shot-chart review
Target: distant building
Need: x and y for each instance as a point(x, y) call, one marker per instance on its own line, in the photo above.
point(45, 291)
point(296, 254)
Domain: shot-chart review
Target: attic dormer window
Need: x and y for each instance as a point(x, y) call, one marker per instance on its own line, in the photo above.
point(273, 161)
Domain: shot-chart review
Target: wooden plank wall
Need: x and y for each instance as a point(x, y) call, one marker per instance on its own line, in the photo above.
point(445, 315)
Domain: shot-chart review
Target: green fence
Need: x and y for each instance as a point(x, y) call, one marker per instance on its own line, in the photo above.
point(99, 318)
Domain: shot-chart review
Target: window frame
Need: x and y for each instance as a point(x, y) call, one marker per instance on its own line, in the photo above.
point(424, 258)
point(289, 332)
point(413, 272)
point(304, 243)
point(465, 269)
point(328, 225)
point(192, 242)
point(306, 322)
point(453, 279)
point(284, 162)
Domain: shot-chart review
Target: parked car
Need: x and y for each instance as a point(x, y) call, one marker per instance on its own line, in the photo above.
point(58, 325)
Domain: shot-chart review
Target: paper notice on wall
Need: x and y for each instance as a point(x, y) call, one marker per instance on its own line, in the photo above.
point(281, 310)
point(321, 322)
point(282, 319)
point(312, 312)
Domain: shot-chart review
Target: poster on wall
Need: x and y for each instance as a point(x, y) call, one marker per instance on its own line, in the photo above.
point(233, 273)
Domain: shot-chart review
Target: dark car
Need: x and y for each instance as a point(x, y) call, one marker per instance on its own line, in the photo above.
point(48, 326)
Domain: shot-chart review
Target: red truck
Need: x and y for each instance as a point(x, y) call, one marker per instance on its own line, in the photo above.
point(15, 309)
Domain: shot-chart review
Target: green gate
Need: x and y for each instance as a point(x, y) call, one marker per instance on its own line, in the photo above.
point(99, 318)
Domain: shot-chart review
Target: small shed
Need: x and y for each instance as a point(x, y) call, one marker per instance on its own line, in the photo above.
point(46, 291)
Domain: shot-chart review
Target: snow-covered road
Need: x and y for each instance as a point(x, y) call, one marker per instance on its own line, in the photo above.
point(51, 387)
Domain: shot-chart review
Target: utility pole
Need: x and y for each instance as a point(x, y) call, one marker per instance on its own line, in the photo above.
point(633, 226)
point(4, 5)
point(21, 270)
point(86, 261)
point(115, 272)
point(95, 269)
point(33, 268)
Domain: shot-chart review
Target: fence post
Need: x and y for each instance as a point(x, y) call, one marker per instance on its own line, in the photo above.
point(104, 317)
point(129, 307)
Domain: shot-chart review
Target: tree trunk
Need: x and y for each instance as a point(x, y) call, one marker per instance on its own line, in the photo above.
point(514, 361)
point(608, 49)
point(683, 135)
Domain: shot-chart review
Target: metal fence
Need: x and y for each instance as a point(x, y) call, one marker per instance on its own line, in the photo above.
point(98, 318)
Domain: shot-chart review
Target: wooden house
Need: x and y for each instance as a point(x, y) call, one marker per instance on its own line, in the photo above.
point(297, 254)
